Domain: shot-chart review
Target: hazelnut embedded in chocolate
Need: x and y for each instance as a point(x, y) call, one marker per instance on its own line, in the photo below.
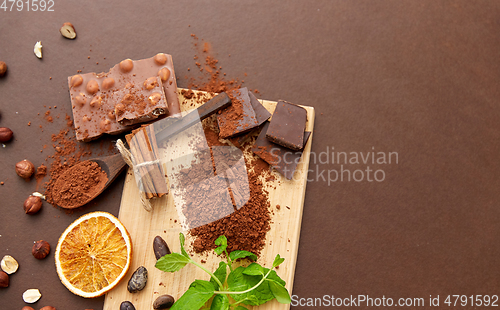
point(150, 83)
point(96, 102)
point(92, 87)
point(128, 99)
point(160, 59)
point(164, 74)
point(108, 83)
point(126, 65)
point(76, 80)
point(154, 98)
point(80, 99)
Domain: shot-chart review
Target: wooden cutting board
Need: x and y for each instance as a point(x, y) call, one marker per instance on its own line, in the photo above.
point(143, 226)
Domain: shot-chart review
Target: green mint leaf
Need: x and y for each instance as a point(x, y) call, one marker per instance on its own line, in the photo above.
point(238, 281)
point(274, 276)
point(195, 297)
point(222, 243)
point(182, 240)
point(172, 262)
point(254, 269)
point(234, 255)
point(220, 302)
point(280, 292)
point(240, 308)
point(220, 273)
point(277, 261)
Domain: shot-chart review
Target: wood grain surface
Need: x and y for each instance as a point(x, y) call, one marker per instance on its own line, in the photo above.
point(143, 226)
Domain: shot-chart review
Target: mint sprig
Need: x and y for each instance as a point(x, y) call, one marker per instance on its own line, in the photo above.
point(252, 285)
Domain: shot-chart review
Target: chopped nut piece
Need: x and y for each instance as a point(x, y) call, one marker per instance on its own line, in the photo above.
point(31, 296)
point(38, 49)
point(68, 31)
point(9, 264)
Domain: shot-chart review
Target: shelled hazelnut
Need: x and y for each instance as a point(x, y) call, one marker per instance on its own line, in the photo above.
point(32, 205)
point(25, 169)
point(48, 308)
point(40, 249)
point(27, 308)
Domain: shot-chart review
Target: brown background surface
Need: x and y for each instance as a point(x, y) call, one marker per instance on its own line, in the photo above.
point(419, 78)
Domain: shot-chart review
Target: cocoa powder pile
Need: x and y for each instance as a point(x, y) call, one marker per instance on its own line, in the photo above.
point(76, 186)
point(67, 154)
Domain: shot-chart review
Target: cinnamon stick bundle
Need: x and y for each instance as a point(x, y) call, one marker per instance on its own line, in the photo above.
point(142, 143)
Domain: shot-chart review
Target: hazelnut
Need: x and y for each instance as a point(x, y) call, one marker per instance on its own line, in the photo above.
point(31, 295)
point(5, 134)
point(160, 59)
point(150, 83)
point(38, 49)
point(3, 68)
point(9, 264)
point(164, 74)
point(107, 83)
point(27, 308)
point(25, 169)
point(68, 31)
point(32, 205)
point(92, 87)
point(48, 308)
point(40, 249)
point(4, 279)
point(76, 80)
point(126, 65)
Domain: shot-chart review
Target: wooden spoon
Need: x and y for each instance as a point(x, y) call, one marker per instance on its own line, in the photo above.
point(111, 165)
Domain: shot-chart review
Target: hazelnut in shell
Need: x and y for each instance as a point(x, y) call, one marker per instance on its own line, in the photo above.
point(32, 205)
point(3, 68)
point(40, 249)
point(25, 169)
point(5, 134)
point(4, 279)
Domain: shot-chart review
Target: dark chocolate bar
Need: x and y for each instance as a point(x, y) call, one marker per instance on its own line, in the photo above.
point(288, 125)
point(284, 160)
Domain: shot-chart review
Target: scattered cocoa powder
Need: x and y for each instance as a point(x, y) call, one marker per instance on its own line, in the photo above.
point(41, 172)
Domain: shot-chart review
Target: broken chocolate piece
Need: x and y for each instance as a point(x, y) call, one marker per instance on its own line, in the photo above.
point(288, 125)
point(239, 117)
point(261, 113)
point(131, 92)
point(284, 160)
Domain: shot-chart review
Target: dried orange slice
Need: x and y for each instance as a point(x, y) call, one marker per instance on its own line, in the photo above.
point(93, 254)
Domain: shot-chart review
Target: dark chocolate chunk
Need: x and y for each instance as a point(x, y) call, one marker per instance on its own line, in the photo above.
point(261, 113)
point(288, 125)
point(239, 117)
point(284, 160)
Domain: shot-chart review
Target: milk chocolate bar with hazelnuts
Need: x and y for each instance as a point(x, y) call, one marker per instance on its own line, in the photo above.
point(131, 92)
